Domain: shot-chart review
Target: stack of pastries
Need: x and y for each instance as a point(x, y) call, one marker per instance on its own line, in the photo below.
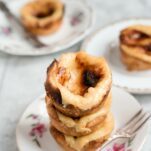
point(78, 101)
point(135, 46)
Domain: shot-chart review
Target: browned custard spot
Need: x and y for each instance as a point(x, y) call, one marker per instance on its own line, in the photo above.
point(137, 35)
point(46, 11)
point(134, 38)
point(78, 85)
point(131, 37)
point(90, 78)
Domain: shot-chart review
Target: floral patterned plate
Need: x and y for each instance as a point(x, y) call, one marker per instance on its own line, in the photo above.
point(33, 129)
point(77, 24)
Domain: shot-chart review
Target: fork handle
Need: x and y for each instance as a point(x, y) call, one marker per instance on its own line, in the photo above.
point(18, 25)
point(12, 18)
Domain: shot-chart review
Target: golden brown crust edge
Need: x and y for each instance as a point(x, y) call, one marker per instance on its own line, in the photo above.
point(91, 146)
point(49, 29)
point(72, 130)
point(75, 112)
point(134, 64)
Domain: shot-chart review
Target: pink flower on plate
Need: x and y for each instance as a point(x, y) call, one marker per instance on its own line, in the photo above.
point(119, 147)
point(38, 130)
point(34, 116)
point(77, 18)
point(6, 30)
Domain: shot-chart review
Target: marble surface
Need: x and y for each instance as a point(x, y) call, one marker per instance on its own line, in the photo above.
point(22, 78)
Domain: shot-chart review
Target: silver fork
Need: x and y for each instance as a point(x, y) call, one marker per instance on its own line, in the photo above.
point(130, 129)
point(15, 22)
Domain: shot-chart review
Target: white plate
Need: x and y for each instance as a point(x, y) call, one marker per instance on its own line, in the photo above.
point(105, 42)
point(33, 129)
point(77, 24)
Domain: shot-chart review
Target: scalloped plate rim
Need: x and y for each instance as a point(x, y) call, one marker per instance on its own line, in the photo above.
point(16, 51)
point(99, 30)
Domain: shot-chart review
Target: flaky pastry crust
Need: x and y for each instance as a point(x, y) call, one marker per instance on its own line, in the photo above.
point(81, 126)
point(135, 45)
point(90, 143)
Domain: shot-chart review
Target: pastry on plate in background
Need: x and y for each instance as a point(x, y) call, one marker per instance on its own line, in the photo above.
point(42, 17)
point(135, 47)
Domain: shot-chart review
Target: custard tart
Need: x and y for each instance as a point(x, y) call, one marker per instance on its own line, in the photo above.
point(78, 83)
point(42, 17)
point(135, 46)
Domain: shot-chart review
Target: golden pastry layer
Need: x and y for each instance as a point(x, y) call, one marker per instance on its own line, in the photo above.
point(81, 126)
point(85, 143)
point(42, 17)
point(133, 63)
point(135, 45)
point(51, 28)
point(78, 83)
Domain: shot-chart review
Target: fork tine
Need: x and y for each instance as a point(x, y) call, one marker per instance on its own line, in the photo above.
point(137, 114)
point(133, 130)
point(132, 120)
point(135, 120)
